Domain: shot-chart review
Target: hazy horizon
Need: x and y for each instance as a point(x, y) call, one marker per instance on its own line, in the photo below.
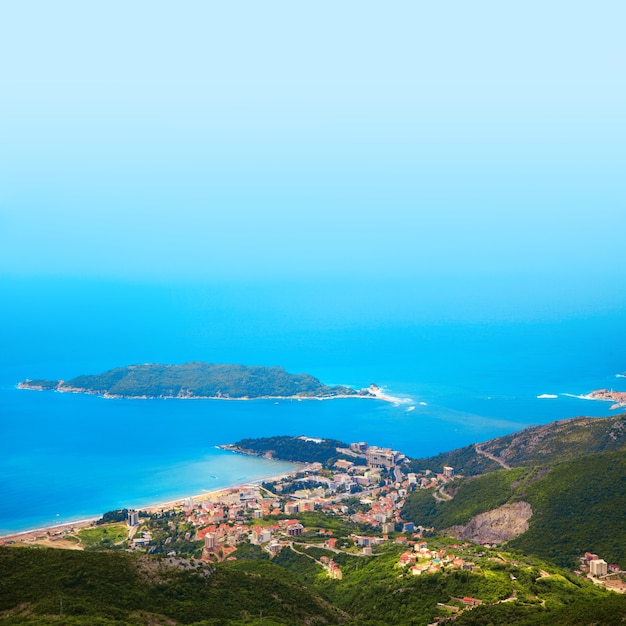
point(207, 143)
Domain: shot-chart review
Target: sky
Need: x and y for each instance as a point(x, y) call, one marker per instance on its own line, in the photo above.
point(214, 141)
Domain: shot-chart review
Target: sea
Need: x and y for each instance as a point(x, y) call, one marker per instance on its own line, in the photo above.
point(468, 358)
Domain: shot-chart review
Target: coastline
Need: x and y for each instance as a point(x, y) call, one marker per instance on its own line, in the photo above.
point(617, 403)
point(374, 393)
point(35, 535)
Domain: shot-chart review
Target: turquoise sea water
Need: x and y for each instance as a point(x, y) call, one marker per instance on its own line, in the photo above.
point(469, 360)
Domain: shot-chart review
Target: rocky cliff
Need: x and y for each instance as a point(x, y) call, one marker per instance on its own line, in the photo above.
point(496, 526)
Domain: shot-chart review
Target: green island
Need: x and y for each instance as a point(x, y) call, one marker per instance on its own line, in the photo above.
point(201, 380)
point(524, 529)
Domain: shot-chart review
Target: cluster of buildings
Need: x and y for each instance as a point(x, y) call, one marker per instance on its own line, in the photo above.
point(332, 569)
point(225, 538)
point(422, 560)
point(369, 487)
point(602, 573)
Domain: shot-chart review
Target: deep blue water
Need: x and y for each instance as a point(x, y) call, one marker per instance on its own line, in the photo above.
point(472, 359)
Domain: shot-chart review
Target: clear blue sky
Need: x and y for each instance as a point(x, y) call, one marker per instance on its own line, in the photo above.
point(215, 140)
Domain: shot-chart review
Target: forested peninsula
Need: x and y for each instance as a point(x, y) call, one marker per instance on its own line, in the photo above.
point(200, 380)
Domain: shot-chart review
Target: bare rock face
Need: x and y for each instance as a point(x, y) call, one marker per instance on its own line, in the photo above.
point(496, 526)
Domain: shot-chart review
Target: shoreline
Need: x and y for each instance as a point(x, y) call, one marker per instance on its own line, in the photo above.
point(376, 394)
point(617, 404)
point(42, 532)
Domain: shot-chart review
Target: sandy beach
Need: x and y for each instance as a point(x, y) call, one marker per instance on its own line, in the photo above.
point(39, 534)
point(42, 536)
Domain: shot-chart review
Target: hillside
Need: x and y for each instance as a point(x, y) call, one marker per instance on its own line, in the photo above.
point(197, 380)
point(471, 497)
point(464, 460)
point(121, 588)
point(560, 441)
point(539, 445)
point(577, 506)
point(116, 588)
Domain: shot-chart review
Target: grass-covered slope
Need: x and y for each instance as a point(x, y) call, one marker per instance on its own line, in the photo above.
point(197, 379)
point(560, 602)
point(560, 441)
point(472, 497)
point(539, 445)
point(577, 506)
point(45, 586)
point(374, 591)
point(465, 461)
point(123, 588)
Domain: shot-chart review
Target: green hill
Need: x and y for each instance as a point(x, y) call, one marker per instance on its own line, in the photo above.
point(560, 441)
point(577, 506)
point(197, 380)
point(472, 496)
point(571, 472)
point(464, 460)
point(539, 445)
point(87, 588)
point(46, 586)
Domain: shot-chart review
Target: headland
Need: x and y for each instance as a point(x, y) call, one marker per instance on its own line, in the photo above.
point(608, 395)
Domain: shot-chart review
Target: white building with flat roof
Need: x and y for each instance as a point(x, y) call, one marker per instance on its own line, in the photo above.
point(598, 567)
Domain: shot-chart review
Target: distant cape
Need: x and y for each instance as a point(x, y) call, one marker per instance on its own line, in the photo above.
point(200, 380)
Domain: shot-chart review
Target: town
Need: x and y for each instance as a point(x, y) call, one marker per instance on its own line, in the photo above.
point(367, 492)
point(325, 512)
